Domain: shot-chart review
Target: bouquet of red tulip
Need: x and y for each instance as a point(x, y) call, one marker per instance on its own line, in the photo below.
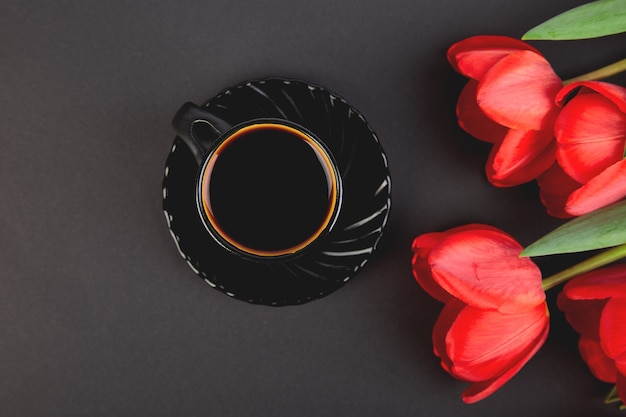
point(570, 137)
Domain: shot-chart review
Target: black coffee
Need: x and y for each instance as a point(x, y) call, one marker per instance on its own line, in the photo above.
point(270, 189)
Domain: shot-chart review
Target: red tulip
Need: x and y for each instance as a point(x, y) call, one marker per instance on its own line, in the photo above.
point(595, 305)
point(591, 137)
point(495, 316)
point(509, 101)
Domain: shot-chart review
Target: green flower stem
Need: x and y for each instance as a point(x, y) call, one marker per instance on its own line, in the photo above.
point(612, 397)
point(604, 258)
point(599, 74)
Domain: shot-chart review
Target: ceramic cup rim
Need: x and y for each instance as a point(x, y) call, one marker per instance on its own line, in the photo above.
point(336, 192)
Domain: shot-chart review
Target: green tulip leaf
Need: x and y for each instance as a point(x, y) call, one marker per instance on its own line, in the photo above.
point(591, 20)
point(602, 228)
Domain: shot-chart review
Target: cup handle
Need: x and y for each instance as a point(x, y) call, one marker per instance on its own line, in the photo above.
point(198, 128)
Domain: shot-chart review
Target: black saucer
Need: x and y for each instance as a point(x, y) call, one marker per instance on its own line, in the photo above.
point(364, 211)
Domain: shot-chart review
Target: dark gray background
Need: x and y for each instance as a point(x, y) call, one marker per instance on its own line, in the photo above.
point(99, 315)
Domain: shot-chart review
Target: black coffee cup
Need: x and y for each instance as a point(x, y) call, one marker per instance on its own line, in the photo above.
point(267, 189)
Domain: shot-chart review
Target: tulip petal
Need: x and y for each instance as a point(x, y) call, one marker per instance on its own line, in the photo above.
point(600, 365)
point(555, 188)
point(606, 188)
point(442, 326)
point(582, 315)
point(614, 92)
point(612, 334)
point(474, 56)
point(519, 91)
point(483, 344)
point(598, 284)
point(423, 276)
point(481, 390)
point(422, 246)
point(520, 157)
point(473, 120)
point(483, 269)
point(591, 132)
